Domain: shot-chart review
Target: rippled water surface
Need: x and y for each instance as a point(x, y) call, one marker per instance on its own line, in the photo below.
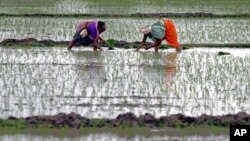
point(190, 31)
point(45, 81)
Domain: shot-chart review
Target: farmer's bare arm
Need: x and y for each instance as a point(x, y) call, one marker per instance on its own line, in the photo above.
point(156, 44)
point(101, 39)
point(96, 46)
point(71, 44)
point(142, 42)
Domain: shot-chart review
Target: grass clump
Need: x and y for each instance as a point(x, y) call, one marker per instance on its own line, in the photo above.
point(17, 124)
point(97, 123)
point(223, 53)
point(111, 42)
point(163, 47)
point(126, 46)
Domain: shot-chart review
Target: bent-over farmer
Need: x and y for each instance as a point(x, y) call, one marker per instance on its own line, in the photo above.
point(162, 29)
point(87, 33)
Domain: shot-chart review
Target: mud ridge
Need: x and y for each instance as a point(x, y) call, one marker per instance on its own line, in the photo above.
point(74, 120)
point(142, 15)
point(31, 42)
point(110, 43)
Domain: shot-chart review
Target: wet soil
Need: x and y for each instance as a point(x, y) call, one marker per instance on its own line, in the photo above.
point(110, 43)
point(31, 42)
point(127, 120)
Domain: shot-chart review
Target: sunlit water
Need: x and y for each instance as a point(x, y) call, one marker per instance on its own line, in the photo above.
point(111, 137)
point(190, 31)
point(45, 81)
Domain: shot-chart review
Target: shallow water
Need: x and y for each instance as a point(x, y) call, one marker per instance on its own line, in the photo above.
point(190, 31)
point(111, 137)
point(123, 7)
point(45, 81)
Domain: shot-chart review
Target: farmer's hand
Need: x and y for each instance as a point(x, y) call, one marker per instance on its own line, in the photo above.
point(140, 46)
point(102, 41)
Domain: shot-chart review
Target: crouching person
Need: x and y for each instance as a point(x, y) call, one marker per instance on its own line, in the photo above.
point(159, 31)
point(88, 33)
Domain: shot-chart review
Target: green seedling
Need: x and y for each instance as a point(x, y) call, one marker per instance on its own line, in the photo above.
point(223, 53)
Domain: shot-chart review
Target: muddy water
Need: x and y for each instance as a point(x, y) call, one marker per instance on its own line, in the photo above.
point(191, 31)
point(40, 81)
point(109, 137)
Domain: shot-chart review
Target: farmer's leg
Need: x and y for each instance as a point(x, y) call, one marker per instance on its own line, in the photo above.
point(75, 40)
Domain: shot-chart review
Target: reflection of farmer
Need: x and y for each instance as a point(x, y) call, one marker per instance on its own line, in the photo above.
point(88, 32)
point(170, 67)
point(163, 29)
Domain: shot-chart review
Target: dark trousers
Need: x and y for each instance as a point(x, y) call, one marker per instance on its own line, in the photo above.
point(84, 41)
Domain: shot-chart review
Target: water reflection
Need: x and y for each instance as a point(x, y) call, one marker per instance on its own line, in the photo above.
point(40, 81)
point(111, 137)
point(170, 68)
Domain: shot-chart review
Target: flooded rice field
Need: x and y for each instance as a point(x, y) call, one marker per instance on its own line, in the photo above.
point(46, 81)
point(123, 7)
point(49, 79)
point(110, 137)
point(191, 31)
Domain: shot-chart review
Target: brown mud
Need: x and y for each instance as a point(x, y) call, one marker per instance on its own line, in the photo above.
point(127, 120)
point(111, 43)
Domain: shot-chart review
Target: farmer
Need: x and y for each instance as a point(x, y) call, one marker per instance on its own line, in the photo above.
point(162, 29)
point(88, 32)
